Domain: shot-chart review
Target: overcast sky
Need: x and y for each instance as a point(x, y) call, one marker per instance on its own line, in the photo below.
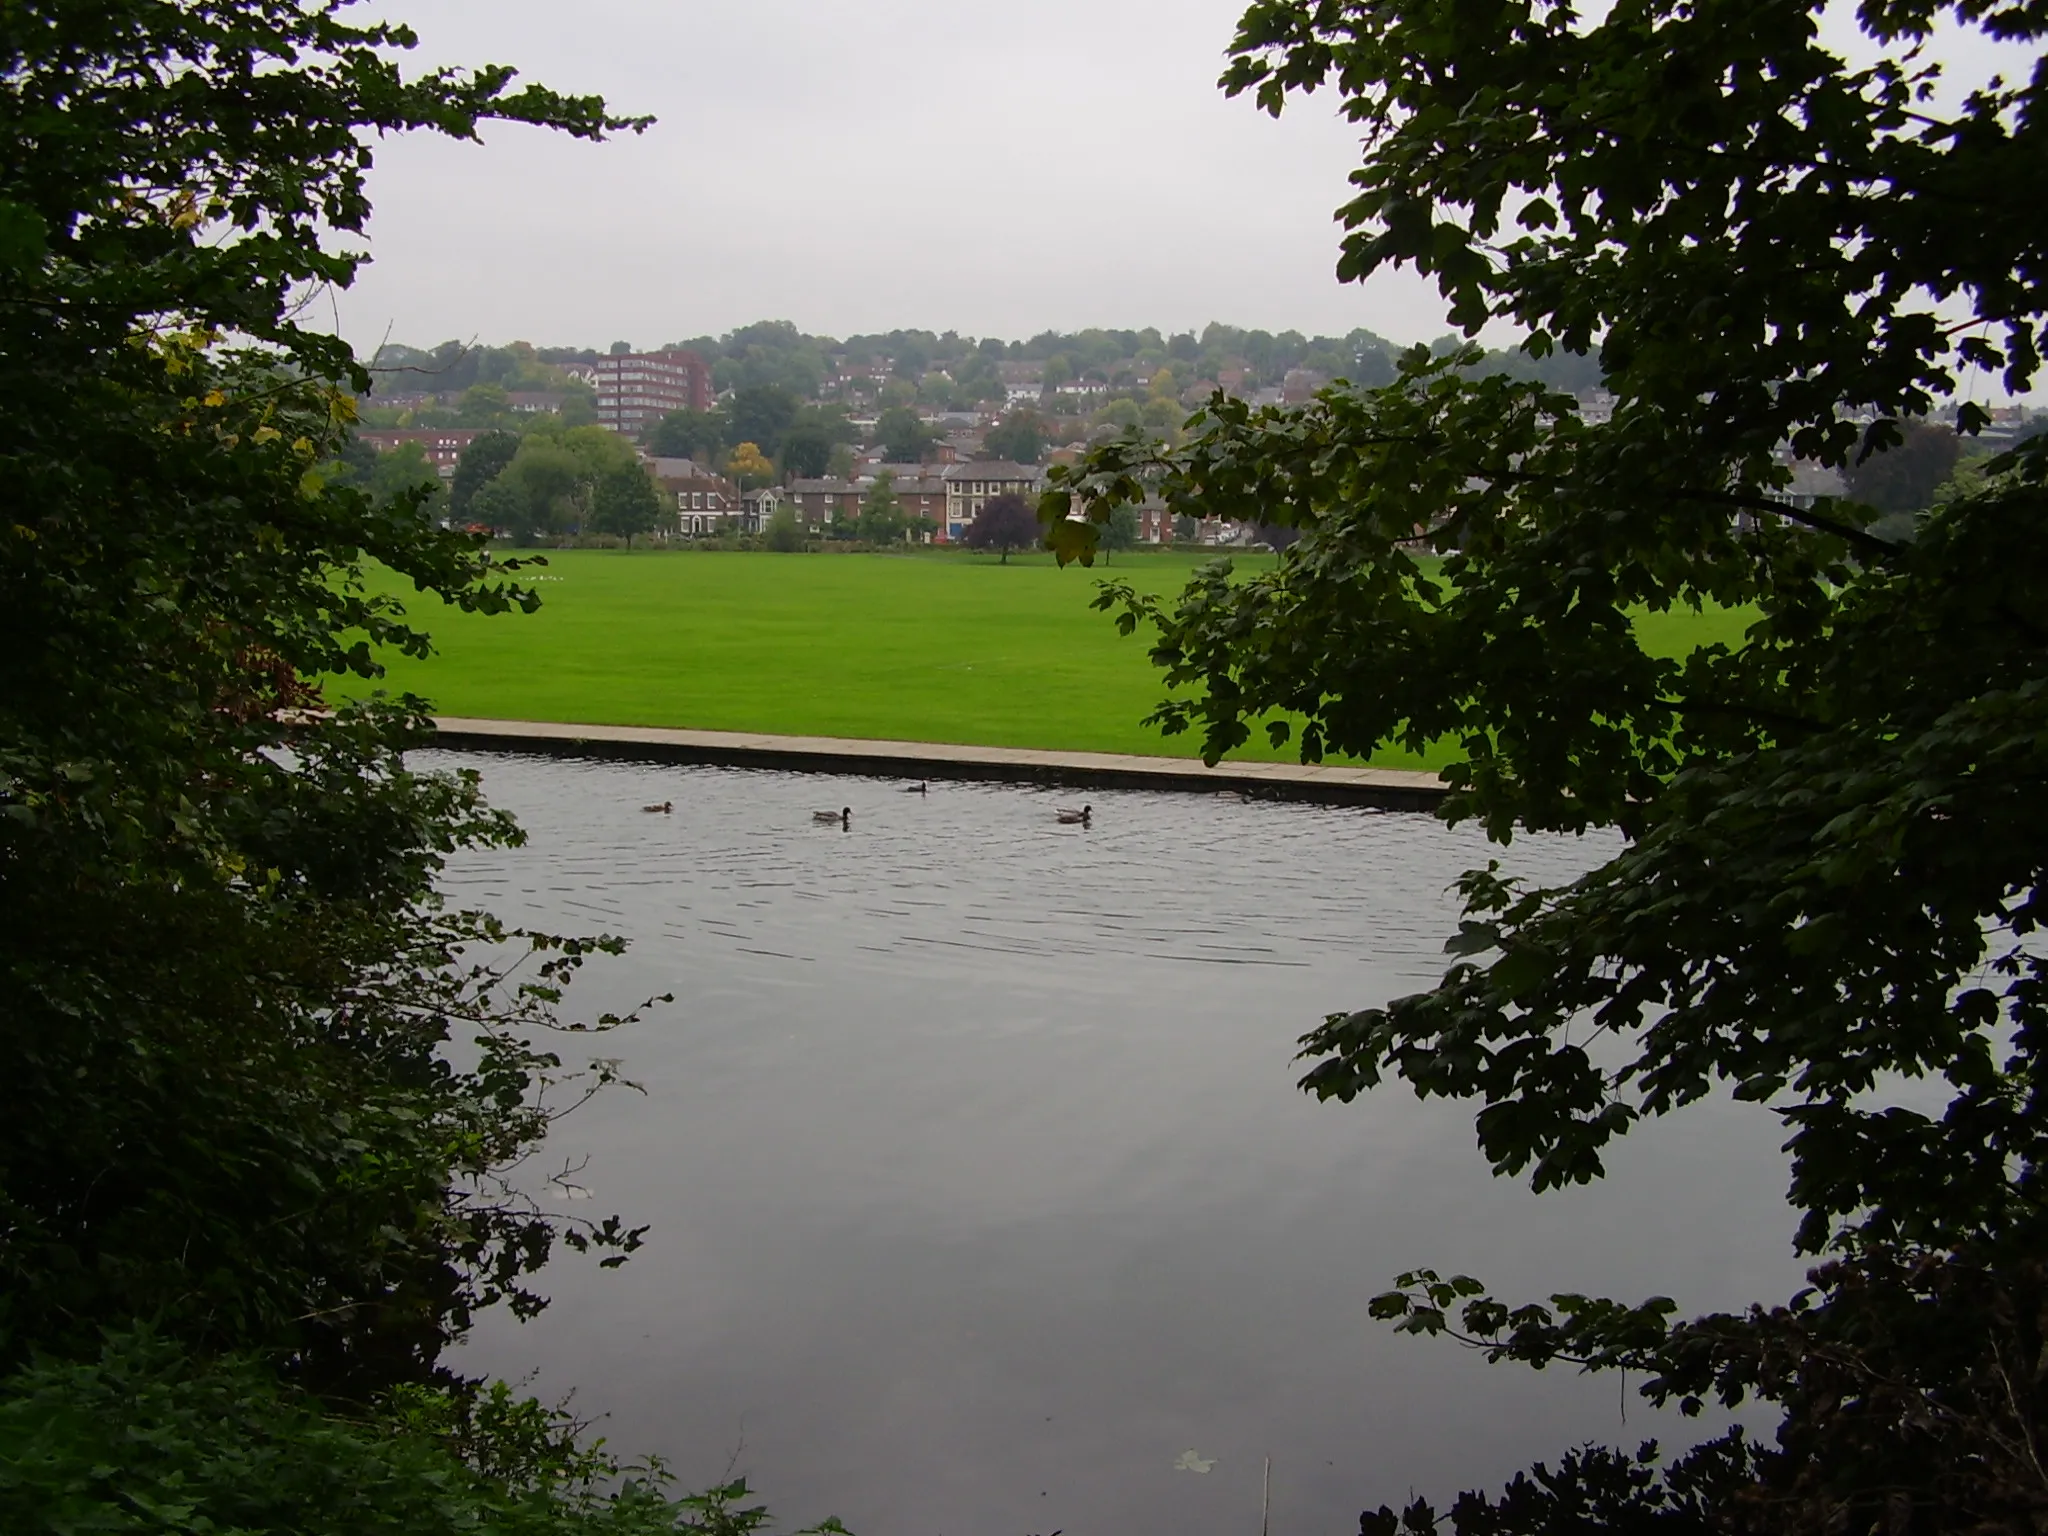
point(995, 169)
point(945, 164)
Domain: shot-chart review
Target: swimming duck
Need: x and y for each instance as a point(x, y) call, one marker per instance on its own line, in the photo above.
point(1076, 818)
point(844, 816)
point(659, 810)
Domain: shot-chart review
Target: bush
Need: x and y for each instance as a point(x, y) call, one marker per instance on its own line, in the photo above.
point(145, 1440)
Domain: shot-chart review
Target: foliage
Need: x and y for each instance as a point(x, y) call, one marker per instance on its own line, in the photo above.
point(1004, 523)
point(1019, 437)
point(688, 435)
point(808, 441)
point(903, 435)
point(1833, 837)
point(228, 979)
point(749, 463)
point(1120, 532)
point(624, 502)
point(881, 511)
point(556, 477)
point(782, 535)
point(482, 461)
point(404, 474)
point(141, 1440)
point(1907, 476)
point(760, 414)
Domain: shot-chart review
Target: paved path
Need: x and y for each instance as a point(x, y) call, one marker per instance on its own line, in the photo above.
point(1393, 788)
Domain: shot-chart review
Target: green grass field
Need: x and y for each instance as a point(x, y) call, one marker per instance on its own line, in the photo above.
point(943, 647)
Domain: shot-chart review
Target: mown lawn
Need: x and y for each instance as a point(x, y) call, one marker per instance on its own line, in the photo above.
point(946, 647)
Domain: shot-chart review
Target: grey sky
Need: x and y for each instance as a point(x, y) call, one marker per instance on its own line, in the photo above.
point(950, 164)
point(946, 164)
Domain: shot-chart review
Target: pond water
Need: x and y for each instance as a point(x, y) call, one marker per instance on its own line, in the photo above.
point(979, 1186)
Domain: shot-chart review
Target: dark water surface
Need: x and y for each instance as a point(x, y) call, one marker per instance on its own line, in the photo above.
point(979, 1186)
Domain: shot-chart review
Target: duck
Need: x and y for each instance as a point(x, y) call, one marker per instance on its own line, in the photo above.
point(1078, 818)
point(659, 810)
point(844, 816)
point(916, 789)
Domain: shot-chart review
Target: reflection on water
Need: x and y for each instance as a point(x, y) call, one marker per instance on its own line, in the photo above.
point(981, 1194)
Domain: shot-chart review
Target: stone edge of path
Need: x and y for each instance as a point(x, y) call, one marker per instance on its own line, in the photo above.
point(1385, 788)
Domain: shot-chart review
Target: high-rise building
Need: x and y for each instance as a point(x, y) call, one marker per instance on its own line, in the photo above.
point(637, 389)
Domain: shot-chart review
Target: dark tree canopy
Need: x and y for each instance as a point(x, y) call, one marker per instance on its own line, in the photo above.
point(903, 435)
point(262, 1087)
point(1004, 523)
point(698, 435)
point(482, 462)
point(1019, 437)
point(1905, 477)
point(1834, 836)
point(625, 502)
point(760, 414)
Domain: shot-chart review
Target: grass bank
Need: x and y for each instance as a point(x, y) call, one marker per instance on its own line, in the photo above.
point(944, 647)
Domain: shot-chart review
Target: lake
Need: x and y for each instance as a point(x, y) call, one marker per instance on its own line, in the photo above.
point(980, 1191)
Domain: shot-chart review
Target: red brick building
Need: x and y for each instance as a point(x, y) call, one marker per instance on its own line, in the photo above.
point(637, 389)
point(442, 445)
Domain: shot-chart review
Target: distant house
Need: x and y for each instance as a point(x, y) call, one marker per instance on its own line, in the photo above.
point(704, 503)
point(969, 486)
point(1811, 483)
point(442, 445)
point(820, 502)
point(758, 507)
point(920, 491)
point(535, 402)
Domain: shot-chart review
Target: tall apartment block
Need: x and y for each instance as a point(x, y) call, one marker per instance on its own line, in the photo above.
point(637, 389)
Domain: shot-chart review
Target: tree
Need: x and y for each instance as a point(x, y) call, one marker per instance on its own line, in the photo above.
point(749, 466)
point(903, 435)
point(623, 502)
point(404, 474)
point(782, 534)
point(484, 405)
point(482, 462)
point(501, 508)
point(1004, 523)
point(808, 442)
point(1020, 438)
point(1905, 477)
point(548, 483)
point(760, 414)
point(1120, 532)
point(233, 1111)
point(1163, 418)
point(686, 434)
point(881, 511)
point(1832, 836)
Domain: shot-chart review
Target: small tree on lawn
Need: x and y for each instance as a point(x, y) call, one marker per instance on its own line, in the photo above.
point(624, 503)
point(1121, 531)
point(881, 511)
point(783, 535)
point(1004, 523)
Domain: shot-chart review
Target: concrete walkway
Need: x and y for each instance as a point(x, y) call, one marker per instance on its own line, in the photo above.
point(1390, 788)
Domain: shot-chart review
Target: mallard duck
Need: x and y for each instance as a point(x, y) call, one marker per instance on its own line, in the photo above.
point(1076, 818)
point(659, 810)
point(844, 816)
